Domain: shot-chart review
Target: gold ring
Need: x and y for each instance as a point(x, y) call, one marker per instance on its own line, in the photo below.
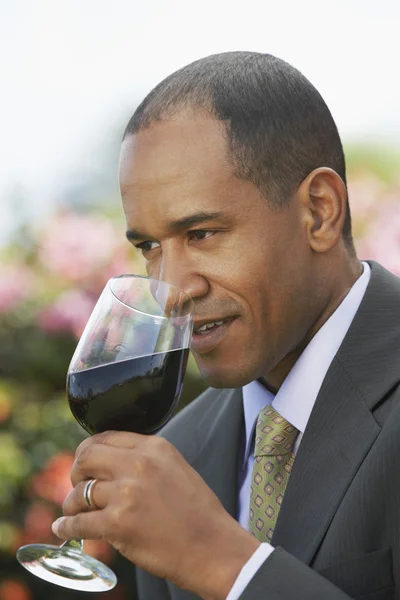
point(87, 493)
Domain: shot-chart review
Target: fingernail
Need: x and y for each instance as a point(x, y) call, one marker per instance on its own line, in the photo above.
point(55, 526)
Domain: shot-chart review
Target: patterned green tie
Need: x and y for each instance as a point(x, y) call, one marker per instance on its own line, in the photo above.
point(273, 461)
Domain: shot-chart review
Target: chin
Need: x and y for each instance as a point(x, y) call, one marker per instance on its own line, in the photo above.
point(225, 378)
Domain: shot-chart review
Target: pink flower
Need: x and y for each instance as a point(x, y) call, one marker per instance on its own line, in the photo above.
point(366, 192)
point(70, 312)
point(120, 263)
point(17, 283)
point(383, 240)
point(77, 246)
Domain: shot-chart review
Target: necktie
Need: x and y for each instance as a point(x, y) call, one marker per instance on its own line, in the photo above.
point(273, 461)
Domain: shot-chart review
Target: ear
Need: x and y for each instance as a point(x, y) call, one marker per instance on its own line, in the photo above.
point(323, 200)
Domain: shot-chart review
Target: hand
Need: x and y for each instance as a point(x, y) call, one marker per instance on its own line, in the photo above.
point(157, 511)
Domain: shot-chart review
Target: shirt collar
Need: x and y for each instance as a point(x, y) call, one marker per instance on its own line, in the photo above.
point(296, 397)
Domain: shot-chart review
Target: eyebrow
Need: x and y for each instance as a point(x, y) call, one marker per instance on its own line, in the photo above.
point(178, 225)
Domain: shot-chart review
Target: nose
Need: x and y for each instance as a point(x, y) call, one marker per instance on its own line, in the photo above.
point(184, 274)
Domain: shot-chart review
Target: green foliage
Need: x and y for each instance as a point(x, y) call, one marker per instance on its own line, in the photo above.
point(378, 160)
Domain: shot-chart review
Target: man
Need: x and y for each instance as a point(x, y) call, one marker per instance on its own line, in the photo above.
point(281, 483)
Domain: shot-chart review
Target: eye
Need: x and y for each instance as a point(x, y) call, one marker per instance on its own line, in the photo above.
point(147, 246)
point(200, 234)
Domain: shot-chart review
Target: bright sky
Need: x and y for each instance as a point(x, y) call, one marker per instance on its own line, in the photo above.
point(71, 70)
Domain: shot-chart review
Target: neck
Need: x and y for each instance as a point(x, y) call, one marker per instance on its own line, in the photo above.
point(340, 287)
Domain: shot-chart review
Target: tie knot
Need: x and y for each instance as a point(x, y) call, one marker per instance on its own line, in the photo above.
point(274, 435)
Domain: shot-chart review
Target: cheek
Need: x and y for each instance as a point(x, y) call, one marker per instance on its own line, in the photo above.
point(269, 284)
point(237, 260)
point(152, 269)
point(254, 274)
point(152, 263)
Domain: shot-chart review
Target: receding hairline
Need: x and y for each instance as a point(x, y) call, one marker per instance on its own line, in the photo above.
point(187, 113)
point(183, 110)
point(277, 124)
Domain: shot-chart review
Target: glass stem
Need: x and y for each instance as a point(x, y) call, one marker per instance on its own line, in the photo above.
point(75, 544)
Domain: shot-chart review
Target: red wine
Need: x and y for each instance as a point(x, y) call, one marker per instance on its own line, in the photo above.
point(137, 395)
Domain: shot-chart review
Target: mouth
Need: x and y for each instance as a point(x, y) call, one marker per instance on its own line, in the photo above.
point(208, 334)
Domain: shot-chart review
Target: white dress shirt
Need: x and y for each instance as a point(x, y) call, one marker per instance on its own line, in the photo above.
point(294, 401)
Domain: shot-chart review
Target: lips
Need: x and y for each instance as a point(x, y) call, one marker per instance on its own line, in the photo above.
point(207, 335)
point(202, 329)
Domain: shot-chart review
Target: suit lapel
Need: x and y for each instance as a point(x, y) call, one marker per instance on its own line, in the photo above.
point(341, 428)
point(219, 435)
point(323, 471)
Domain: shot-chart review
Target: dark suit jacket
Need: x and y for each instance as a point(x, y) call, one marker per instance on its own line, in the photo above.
point(338, 531)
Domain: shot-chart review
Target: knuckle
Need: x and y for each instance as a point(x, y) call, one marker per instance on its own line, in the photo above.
point(83, 457)
point(82, 445)
point(72, 504)
point(161, 447)
point(144, 465)
point(125, 488)
point(160, 444)
point(66, 507)
point(126, 504)
point(103, 437)
point(116, 519)
point(110, 438)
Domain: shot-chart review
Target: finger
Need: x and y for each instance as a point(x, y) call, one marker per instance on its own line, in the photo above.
point(119, 439)
point(100, 492)
point(75, 502)
point(83, 526)
point(98, 461)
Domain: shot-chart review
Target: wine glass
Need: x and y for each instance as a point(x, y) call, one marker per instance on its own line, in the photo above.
point(126, 374)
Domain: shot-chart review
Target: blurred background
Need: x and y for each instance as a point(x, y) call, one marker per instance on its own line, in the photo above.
point(71, 74)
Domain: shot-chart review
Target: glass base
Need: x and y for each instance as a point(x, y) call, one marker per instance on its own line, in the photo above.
point(67, 567)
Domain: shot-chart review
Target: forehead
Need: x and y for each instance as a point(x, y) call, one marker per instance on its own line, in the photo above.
point(178, 168)
point(177, 160)
point(154, 149)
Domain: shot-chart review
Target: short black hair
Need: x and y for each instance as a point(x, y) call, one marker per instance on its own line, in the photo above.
point(278, 126)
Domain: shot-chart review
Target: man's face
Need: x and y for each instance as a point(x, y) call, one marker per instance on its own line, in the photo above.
point(202, 229)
